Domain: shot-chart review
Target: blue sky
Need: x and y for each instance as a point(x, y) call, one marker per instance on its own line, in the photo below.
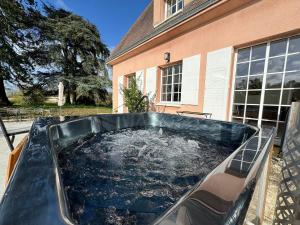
point(112, 17)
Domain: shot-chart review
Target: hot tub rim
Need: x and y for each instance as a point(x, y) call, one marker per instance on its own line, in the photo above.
point(63, 195)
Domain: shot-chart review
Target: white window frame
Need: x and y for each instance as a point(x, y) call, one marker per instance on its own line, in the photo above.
point(172, 102)
point(128, 78)
point(167, 5)
point(261, 105)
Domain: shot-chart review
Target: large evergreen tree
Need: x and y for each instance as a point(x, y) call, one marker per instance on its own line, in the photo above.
point(50, 46)
point(19, 40)
point(76, 51)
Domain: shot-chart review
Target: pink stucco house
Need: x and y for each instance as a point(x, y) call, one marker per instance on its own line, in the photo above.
point(236, 59)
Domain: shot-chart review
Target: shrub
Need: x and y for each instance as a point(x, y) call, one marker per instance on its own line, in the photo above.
point(132, 96)
point(98, 97)
point(17, 98)
point(33, 95)
point(108, 100)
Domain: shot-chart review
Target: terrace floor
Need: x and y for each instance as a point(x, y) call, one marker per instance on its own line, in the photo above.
point(274, 178)
point(4, 150)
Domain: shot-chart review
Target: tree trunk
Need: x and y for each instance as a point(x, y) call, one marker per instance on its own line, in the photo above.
point(73, 97)
point(68, 98)
point(3, 97)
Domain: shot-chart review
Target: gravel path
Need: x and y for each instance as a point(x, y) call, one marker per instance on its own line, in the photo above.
point(272, 190)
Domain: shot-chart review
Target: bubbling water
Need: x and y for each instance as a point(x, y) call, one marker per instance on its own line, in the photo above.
point(132, 176)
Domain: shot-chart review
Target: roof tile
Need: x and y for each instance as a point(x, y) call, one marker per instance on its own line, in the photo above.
point(143, 29)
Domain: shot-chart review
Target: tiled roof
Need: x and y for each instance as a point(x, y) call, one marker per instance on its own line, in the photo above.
point(143, 29)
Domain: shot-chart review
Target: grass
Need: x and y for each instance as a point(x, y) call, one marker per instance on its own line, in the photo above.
point(51, 109)
point(55, 106)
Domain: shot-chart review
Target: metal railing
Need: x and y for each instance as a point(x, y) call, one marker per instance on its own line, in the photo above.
point(141, 101)
point(10, 135)
point(206, 115)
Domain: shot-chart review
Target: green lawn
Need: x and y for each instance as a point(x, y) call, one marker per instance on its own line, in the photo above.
point(49, 105)
point(50, 109)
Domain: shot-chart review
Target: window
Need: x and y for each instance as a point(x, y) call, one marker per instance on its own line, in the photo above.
point(171, 83)
point(130, 79)
point(173, 6)
point(267, 82)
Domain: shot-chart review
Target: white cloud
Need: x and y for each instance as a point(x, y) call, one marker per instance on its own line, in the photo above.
point(62, 4)
point(111, 48)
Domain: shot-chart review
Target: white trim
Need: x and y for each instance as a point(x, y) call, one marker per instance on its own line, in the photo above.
point(232, 87)
point(172, 85)
point(217, 83)
point(140, 79)
point(246, 98)
point(151, 82)
point(167, 18)
point(282, 82)
point(264, 89)
point(169, 104)
point(166, 12)
point(264, 42)
point(190, 80)
point(120, 94)
point(174, 14)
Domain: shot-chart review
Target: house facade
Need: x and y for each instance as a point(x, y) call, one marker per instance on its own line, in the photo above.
point(236, 59)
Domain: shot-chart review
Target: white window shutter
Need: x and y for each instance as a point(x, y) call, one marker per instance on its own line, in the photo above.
point(120, 94)
point(217, 82)
point(190, 80)
point(140, 80)
point(151, 82)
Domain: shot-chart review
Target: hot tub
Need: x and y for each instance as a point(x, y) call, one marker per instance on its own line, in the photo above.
point(146, 168)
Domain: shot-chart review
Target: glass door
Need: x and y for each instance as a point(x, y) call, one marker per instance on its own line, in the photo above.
point(267, 81)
